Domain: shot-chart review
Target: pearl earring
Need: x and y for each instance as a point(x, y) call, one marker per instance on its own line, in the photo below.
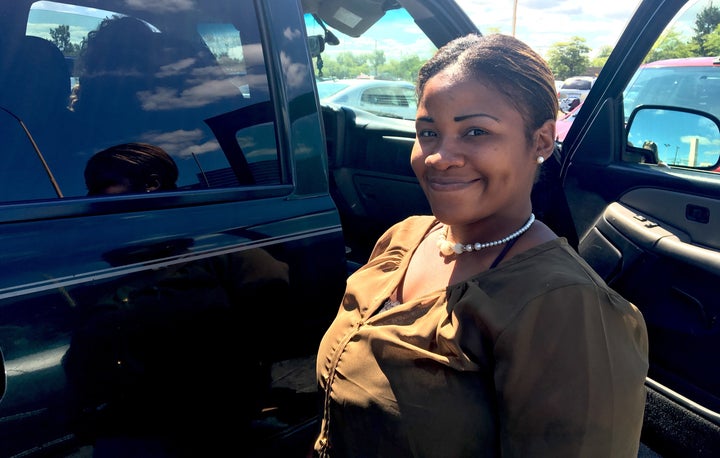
point(540, 159)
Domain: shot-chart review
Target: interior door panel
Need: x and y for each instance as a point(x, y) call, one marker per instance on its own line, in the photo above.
point(371, 178)
point(658, 247)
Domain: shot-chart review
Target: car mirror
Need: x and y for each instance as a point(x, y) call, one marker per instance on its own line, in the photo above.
point(676, 136)
point(316, 45)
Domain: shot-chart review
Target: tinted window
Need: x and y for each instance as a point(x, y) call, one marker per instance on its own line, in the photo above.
point(582, 85)
point(87, 79)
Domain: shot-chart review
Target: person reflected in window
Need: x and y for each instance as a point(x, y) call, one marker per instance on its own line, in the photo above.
point(652, 146)
point(130, 168)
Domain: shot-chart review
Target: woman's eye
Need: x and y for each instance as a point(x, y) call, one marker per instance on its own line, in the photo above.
point(476, 132)
point(426, 133)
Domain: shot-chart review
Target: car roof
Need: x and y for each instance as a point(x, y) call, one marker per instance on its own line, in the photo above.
point(585, 78)
point(709, 61)
point(366, 82)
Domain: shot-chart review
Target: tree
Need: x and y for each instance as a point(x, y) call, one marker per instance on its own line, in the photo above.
point(705, 23)
point(60, 36)
point(405, 69)
point(670, 45)
point(570, 58)
point(377, 59)
point(712, 42)
point(602, 57)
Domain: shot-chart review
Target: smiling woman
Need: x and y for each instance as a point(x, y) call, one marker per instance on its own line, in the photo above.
point(435, 322)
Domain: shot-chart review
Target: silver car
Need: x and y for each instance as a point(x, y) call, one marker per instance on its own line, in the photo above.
point(392, 99)
point(576, 87)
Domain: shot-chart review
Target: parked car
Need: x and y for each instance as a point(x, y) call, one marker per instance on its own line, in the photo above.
point(573, 91)
point(392, 99)
point(692, 82)
point(175, 314)
point(563, 123)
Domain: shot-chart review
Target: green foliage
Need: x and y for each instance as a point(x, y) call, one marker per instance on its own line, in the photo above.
point(602, 57)
point(712, 42)
point(349, 65)
point(60, 36)
point(671, 45)
point(705, 23)
point(570, 58)
point(377, 59)
point(566, 59)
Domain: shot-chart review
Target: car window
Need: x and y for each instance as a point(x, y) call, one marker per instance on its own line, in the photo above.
point(85, 79)
point(582, 85)
point(382, 64)
point(689, 79)
point(392, 96)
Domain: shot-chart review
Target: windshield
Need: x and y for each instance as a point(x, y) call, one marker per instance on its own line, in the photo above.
point(328, 88)
point(684, 86)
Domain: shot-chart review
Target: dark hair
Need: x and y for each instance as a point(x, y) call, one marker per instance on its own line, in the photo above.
point(651, 145)
point(106, 49)
point(137, 163)
point(507, 64)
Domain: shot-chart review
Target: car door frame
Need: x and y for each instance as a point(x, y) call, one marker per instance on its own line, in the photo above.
point(598, 185)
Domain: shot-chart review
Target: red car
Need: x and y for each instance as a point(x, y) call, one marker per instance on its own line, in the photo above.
point(563, 123)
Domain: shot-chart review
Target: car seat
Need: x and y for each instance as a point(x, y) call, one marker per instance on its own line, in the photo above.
point(36, 87)
point(36, 82)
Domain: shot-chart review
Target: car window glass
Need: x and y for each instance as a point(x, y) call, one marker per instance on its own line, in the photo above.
point(582, 85)
point(86, 79)
point(389, 96)
point(677, 73)
point(381, 55)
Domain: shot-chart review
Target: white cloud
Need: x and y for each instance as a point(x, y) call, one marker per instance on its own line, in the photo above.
point(542, 23)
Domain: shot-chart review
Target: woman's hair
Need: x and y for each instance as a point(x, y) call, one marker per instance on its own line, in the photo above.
point(651, 145)
point(137, 163)
point(506, 63)
point(107, 49)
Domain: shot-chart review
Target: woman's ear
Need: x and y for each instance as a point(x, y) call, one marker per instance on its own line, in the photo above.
point(152, 183)
point(545, 139)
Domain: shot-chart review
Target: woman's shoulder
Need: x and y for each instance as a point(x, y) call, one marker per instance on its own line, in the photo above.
point(405, 235)
point(552, 267)
point(552, 258)
point(413, 227)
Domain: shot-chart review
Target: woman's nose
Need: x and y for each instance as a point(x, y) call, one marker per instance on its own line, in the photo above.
point(445, 155)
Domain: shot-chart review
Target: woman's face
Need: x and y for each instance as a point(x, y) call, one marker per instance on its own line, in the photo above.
point(471, 154)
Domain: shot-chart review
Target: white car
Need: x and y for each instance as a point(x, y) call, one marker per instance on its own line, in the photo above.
point(392, 99)
point(576, 87)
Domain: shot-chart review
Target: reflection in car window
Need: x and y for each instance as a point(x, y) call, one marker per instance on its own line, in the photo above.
point(88, 79)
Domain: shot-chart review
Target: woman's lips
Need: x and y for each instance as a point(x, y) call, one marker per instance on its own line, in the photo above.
point(451, 184)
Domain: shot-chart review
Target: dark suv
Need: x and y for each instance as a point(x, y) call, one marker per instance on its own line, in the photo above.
point(182, 319)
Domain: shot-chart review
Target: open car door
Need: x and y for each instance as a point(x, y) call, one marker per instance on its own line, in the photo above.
point(649, 223)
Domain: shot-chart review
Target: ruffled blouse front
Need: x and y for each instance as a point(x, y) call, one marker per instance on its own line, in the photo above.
point(536, 357)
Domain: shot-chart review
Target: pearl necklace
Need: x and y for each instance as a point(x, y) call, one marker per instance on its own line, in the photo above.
point(448, 248)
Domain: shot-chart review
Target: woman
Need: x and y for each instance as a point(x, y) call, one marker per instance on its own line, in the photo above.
point(477, 331)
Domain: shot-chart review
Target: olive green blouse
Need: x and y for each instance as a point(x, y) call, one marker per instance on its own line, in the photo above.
point(536, 357)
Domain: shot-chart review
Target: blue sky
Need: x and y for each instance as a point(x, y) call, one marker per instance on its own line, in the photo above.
point(540, 23)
